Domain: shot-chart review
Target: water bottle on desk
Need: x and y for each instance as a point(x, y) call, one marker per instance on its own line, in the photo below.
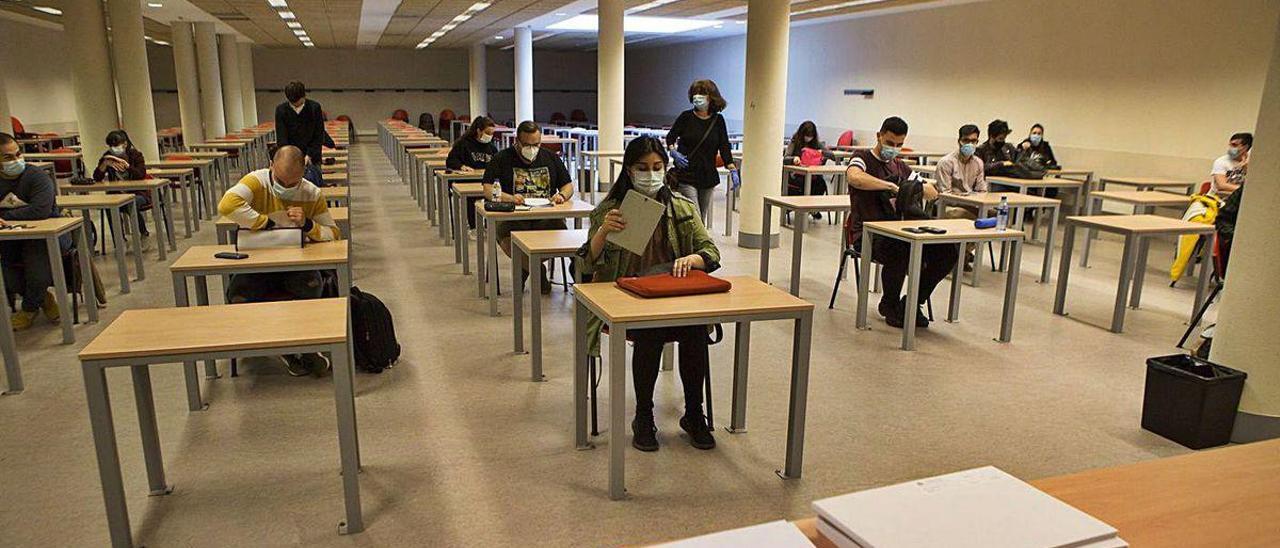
point(1002, 214)
point(495, 192)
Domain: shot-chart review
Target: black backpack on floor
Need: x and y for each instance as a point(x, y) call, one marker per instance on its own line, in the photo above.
point(373, 334)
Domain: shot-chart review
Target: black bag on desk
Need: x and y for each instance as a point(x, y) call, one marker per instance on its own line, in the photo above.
point(1025, 168)
point(910, 203)
point(499, 207)
point(373, 335)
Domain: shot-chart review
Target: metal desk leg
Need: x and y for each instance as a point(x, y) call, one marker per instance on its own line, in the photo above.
point(865, 286)
point(1064, 270)
point(1046, 268)
point(1093, 204)
point(137, 239)
point(581, 362)
point(187, 207)
point(1011, 290)
point(108, 456)
point(462, 239)
point(167, 202)
point(764, 243)
point(60, 285)
point(728, 208)
point(189, 376)
point(12, 369)
point(741, 361)
point(202, 299)
point(1126, 274)
point(978, 251)
point(117, 243)
point(348, 439)
point(617, 411)
point(517, 300)
point(1206, 268)
point(953, 306)
point(491, 236)
point(1139, 272)
point(535, 316)
point(443, 189)
point(799, 219)
point(802, 336)
point(157, 216)
point(912, 306)
point(146, 406)
point(482, 227)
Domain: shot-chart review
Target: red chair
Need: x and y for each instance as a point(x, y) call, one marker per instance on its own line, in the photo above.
point(558, 118)
point(17, 125)
point(846, 139)
point(1205, 187)
point(447, 116)
point(465, 118)
point(401, 115)
point(578, 115)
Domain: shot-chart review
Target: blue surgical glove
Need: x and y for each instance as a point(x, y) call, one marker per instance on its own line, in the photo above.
point(680, 160)
point(735, 180)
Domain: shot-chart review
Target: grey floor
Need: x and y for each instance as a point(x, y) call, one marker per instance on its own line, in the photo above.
point(460, 448)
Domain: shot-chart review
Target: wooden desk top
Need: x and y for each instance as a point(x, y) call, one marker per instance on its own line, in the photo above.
point(570, 209)
point(40, 228)
point(333, 168)
point(816, 170)
point(961, 229)
point(603, 153)
point(1061, 172)
point(332, 152)
point(468, 189)
point(1229, 493)
point(340, 215)
point(549, 241)
point(334, 178)
point(553, 140)
point(930, 169)
point(205, 155)
point(436, 163)
point(81, 201)
point(51, 155)
point(1052, 182)
point(331, 192)
point(200, 258)
point(205, 329)
point(192, 163)
point(1141, 224)
point(1143, 197)
point(429, 152)
point(423, 143)
point(240, 140)
point(810, 203)
point(993, 199)
point(457, 175)
point(1147, 181)
point(140, 184)
point(747, 296)
point(169, 172)
point(222, 145)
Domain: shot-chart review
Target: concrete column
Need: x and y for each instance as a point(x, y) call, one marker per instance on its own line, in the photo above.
point(215, 121)
point(85, 30)
point(184, 71)
point(479, 82)
point(1247, 321)
point(229, 68)
point(133, 75)
point(248, 90)
point(6, 124)
point(764, 113)
point(524, 74)
point(609, 95)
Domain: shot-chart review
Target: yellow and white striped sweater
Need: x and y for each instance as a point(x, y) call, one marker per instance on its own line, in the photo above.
point(251, 203)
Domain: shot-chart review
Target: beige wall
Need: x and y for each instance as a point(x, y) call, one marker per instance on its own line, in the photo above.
point(37, 77)
point(1150, 87)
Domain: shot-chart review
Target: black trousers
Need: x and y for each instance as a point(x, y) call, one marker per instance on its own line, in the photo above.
point(27, 271)
point(894, 256)
point(275, 286)
point(647, 356)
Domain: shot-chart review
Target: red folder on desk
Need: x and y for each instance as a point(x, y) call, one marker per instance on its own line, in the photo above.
point(696, 282)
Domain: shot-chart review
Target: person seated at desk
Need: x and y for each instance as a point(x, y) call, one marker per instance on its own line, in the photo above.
point(27, 193)
point(995, 153)
point(472, 152)
point(526, 170)
point(1036, 149)
point(124, 162)
point(873, 177)
point(960, 173)
point(279, 196)
point(805, 149)
point(679, 243)
point(1230, 169)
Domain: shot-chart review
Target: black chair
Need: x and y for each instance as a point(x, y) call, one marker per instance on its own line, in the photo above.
point(852, 253)
point(426, 122)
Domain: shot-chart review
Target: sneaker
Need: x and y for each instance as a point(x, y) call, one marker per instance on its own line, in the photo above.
point(50, 307)
point(546, 280)
point(644, 434)
point(295, 366)
point(921, 319)
point(21, 320)
point(317, 364)
point(699, 432)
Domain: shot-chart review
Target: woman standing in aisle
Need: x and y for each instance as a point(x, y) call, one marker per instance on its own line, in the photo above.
point(697, 135)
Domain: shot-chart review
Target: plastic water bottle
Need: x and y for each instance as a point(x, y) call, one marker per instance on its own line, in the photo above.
point(1002, 214)
point(495, 192)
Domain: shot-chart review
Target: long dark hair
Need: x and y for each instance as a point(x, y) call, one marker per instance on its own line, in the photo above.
point(797, 140)
point(478, 125)
point(638, 148)
point(119, 137)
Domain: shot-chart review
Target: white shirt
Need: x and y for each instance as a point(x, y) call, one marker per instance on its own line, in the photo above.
point(1232, 169)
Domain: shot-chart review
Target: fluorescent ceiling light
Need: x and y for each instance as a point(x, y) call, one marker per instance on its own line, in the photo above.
point(453, 24)
point(299, 32)
point(649, 5)
point(638, 24)
point(286, 15)
point(499, 37)
point(293, 25)
point(834, 7)
point(154, 5)
point(47, 9)
point(160, 43)
point(278, 3)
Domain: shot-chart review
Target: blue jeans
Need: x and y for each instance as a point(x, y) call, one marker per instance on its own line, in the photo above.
point(314, 174)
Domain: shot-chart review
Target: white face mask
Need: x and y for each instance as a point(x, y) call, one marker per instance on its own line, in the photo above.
point(484, 138)
point(648, 182)
point(529, 152)
point(285, 193)
point(700, 102)
point(117, 151)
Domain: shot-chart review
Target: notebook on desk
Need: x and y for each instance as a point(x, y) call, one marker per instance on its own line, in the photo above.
point(975, 508)
point(776, 534)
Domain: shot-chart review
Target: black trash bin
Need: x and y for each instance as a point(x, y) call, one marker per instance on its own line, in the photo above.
point(1190, 400)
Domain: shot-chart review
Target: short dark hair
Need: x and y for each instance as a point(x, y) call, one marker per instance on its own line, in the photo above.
point(716, 102)
point(294, 91)
point(894, 125)
point(1037, 125)
point(528, 126)
point(5, 139)
point(997, 127)
point(1245, 138)
point(968, 129)
point(119, 137)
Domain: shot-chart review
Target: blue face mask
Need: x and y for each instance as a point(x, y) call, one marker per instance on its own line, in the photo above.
point(967, 149)
point(1233, 152)
point(1035, 139)
point(14, 168)
point(888, 153)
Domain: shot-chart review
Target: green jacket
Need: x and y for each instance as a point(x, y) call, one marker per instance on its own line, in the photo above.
point(685, 233)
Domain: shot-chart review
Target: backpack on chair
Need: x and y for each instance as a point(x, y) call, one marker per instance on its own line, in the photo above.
point(373, 333)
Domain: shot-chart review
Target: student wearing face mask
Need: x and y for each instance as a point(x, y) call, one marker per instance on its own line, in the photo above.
point(124, 162)
point(27, 193)
point(300, 123)
point(1230, 169)
point(1035, 148)
point(526, 170)
point(806, 149)
point(960, 173)
point(680, 243)
point(873, 177)
point(279, 196)
point(472, 152)
point(695, 138)
point(996, 154)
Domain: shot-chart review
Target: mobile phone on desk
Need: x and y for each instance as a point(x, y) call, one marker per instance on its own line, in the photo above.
point(233, 255)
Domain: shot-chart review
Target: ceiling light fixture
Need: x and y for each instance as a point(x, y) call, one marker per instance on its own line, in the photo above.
point(278, 3)
point(154, 5)
point(834, 7)
point(453, 24)
point(286, 15)
point(499, 38)
point(293, 25)
point(47, 9)
point(160, 43)
point(637, 24)
point(649, 5)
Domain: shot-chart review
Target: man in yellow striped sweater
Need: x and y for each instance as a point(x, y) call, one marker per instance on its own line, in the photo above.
point(280, 197)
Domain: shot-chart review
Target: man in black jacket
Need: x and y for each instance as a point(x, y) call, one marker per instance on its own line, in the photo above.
point(300, 122)
point(997, 154)
point(27, 193)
